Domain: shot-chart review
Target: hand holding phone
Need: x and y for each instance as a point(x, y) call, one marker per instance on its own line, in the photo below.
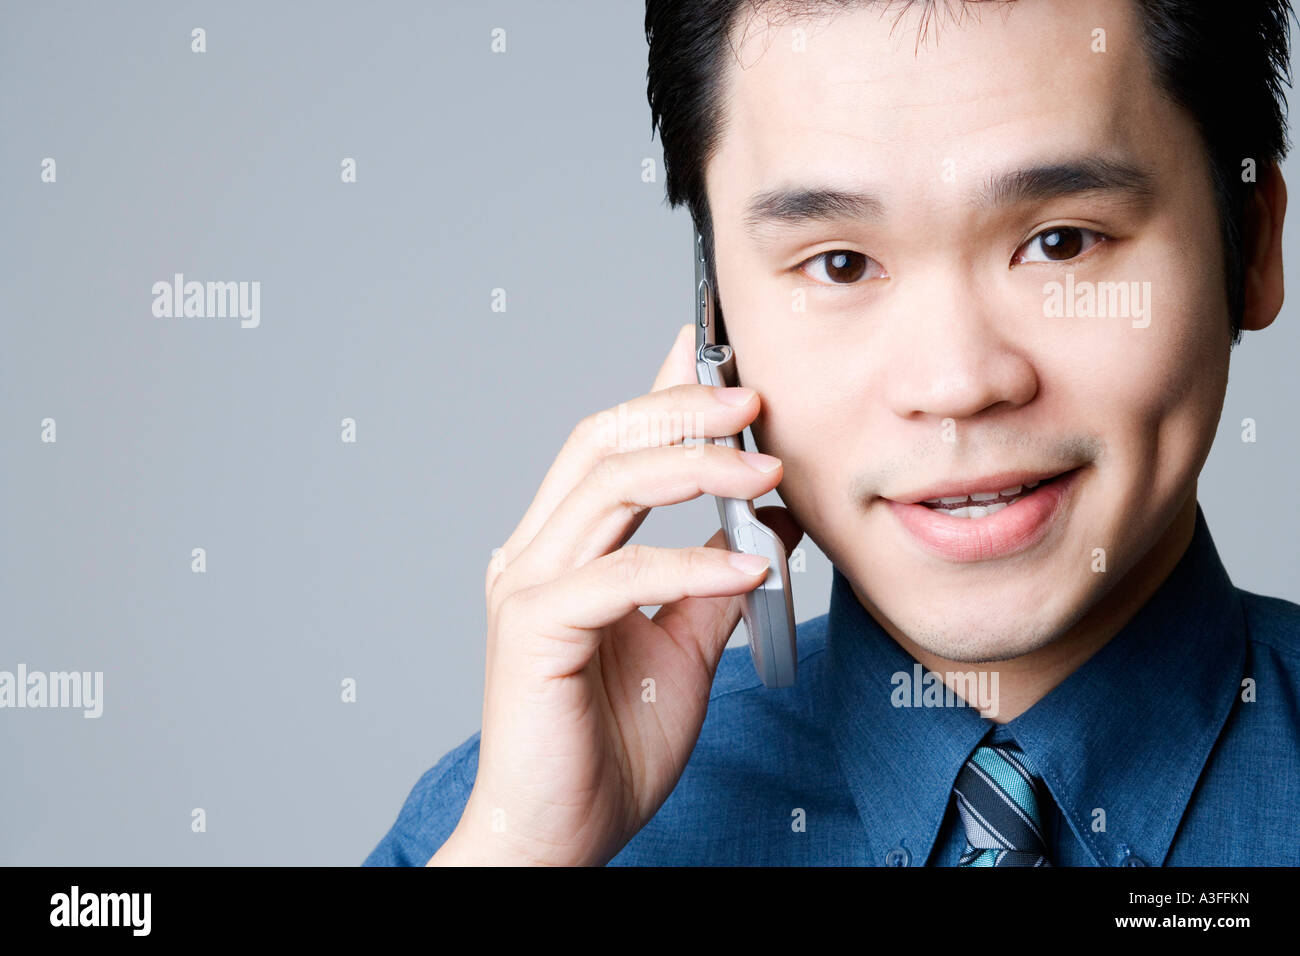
point(591, 708)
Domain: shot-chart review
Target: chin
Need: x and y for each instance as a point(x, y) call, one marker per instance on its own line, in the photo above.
point(993, 641)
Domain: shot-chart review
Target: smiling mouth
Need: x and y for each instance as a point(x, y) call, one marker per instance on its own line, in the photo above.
point(968, 524)
point(983, 503)
point(981, 497)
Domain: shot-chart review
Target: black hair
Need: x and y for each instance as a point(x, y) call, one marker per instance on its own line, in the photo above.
point(1225, 63)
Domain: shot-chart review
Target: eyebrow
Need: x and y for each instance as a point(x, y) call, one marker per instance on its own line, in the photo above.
point(774, 209)
point(1049, 181)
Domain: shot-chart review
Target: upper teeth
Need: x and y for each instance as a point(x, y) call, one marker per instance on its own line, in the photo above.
point(980, 496)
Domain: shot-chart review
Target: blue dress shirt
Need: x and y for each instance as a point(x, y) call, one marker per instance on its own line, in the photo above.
point(1175, 744)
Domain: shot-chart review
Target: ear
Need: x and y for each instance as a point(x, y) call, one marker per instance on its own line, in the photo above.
point(1262, 247)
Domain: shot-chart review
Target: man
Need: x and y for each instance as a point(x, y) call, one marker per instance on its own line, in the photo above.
point(982, 289)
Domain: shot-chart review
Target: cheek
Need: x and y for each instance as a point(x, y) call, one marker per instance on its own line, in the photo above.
point(804, 405)
point(819, 437)
point(809, 420)
point(1153, 392)
point(1149, 365)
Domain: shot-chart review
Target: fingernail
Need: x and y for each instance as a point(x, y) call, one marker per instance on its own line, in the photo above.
point(760, 462)
point(749, 563)
point(734, 396)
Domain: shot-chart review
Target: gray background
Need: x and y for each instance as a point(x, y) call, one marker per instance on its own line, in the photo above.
point(328, 560)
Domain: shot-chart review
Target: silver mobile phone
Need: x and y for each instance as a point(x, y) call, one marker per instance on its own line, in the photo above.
point(769, 609)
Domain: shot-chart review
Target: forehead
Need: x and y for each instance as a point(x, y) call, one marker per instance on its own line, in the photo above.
point(859, 96)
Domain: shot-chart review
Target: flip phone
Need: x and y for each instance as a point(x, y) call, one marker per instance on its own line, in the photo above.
point(768, 610)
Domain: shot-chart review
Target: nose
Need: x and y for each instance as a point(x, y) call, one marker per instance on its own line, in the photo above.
point(953, 358)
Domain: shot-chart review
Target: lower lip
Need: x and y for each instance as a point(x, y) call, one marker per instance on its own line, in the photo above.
point(1013, 529)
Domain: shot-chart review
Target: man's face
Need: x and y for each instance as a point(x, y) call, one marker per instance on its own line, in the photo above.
point(959, 334)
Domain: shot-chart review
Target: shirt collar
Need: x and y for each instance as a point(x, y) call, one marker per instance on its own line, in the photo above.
point(1126, 734)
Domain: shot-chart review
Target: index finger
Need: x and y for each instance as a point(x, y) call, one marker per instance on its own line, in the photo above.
point(566, 471)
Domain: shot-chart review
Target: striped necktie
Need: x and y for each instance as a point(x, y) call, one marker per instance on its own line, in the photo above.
point(998, 797)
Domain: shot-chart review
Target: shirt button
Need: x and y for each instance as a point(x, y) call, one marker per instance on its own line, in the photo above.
point(1128, 857)
point(898, 856)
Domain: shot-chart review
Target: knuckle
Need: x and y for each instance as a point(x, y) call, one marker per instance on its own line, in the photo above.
point(687, 394)
point(634, 561)
point(584, 432)
point(597, 433)
point(513, 607)
point(499, 590)
point(607, 471)
point(495, 597)
point(492, 587)
point(697, 561)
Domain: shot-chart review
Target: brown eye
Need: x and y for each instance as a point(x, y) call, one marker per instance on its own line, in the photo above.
point(1058, 244)
point(840, 266)
point(1062, 243)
